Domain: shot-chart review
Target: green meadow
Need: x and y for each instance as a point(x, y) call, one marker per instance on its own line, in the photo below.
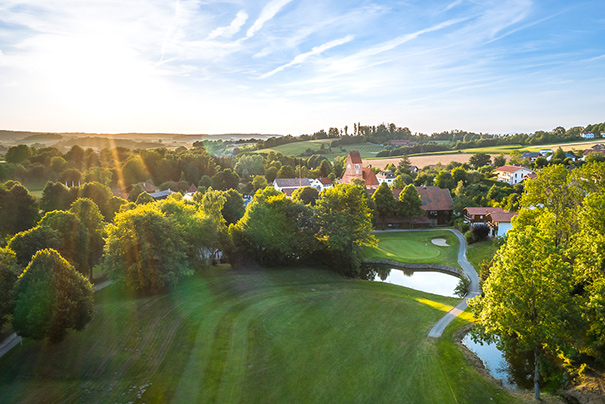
point(297, 335)
point(367, 150)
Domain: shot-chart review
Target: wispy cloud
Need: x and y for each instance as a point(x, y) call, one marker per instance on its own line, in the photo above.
point(231, 29)
point(268, 12)
point(317, 50)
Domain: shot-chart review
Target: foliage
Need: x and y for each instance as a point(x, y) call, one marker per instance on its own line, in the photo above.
point(144, 198)
point(409, 202)
point(480, 232)
point(275, 230)
point(306, 195)
point(345, 223)
point(17, 154)
point(18, 209)
point(233, 208)
point(26, 243)
point(56, 196)
point(385, 202)
point(144, 250)
point(527, 298)
point(479, 160)
point(225, 179)
point(73, 245)
point(462, 287)
point(51, 298)
point(90, 216)
point(8, 277)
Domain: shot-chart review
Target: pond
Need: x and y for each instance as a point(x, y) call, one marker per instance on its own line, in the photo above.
point(494, 361)
point(428, 281)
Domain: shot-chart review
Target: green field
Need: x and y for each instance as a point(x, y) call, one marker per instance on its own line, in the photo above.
point(367, 150)
point(415, 247)
point(256, 336)
point(482, 251)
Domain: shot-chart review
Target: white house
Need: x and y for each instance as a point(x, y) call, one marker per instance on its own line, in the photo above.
point(545, 152)
point(512, 174)
point(289, 185)
point(587, 135)
point(386, 176)
point(322, 183)
point(500, 222)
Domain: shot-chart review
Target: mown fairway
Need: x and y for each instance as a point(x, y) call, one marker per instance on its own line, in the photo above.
point(415, 247)
point(264, 336)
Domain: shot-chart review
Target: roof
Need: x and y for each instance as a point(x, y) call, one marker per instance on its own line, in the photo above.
point(511, 169)
point(289, 191)
point(292, 182)
point(355, 157)
point(502, 217)
point(192, 189)
point(386, 174)
point(162, 194)
point(483, 210)
point(369, 177)
point(147, 187)
point(435, 198)
point(531, 154)
point(325, 181)
point(531, 176)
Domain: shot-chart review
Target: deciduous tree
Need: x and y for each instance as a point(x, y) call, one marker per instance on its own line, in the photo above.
point(51, 298)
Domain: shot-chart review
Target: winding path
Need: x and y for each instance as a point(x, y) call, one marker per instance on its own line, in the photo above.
point(469, 270)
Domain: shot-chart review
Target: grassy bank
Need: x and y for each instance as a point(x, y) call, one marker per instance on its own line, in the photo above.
point(482, 251)
point(415, 247)
point(288, 335)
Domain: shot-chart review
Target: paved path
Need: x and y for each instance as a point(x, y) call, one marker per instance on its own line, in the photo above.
point(13, 340)
point(469, 270)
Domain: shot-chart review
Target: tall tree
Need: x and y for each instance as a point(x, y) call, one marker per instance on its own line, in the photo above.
point(385, 202)
point(409, 202)
point(527, 298)
point(51, 298)
point(345, 221)
point(478, 160)
point(90, 216)
point(8, 276)
point(18, 209)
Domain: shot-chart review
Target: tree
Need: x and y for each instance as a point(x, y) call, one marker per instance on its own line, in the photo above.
point(444, 180)
point(250, 164)
point(58, 164)
point(144, 198)
point(224, 180)
point(499, 160)
point(275, 230)
point(51, 298)
point(8, 277)
point(90, 216)
point(527, 298)
point(17, 154)
point(459, 174)
point(101, 195)
point(259, 182)
point(56, 196)
point(18, 209)
point(385, 202)
point(286, 171)
point(73, 245)
point(409, 202)
point(306, 195)
point(144, 249)
point(233, 208)
point(479, 160)
point(345, 221)
point(325, 168)
point(134, 171)
point(403, 167)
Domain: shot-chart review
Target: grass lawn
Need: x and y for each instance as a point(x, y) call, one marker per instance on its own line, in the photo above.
point(415, 247)
point(479, 252)
point(35, 187)
point(268, 336)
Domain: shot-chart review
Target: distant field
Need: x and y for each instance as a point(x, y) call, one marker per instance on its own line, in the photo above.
point(424, 160)
point(296, 335)
point(367, 150)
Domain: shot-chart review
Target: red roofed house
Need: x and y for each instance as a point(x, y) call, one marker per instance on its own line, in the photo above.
point(354, 169)
point(500, 223)
point(474, 215)
point(512, 174)
point(437, 203)
point(322, 183)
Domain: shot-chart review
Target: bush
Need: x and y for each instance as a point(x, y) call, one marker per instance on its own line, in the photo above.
point(461, 225)
point(480, 232)
point(470, 238)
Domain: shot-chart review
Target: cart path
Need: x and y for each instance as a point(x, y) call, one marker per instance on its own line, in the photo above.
point(468, 269)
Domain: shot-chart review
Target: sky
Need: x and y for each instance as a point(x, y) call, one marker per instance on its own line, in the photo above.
point(298, 66)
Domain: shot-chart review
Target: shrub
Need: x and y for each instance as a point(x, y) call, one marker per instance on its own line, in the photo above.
point(461, 225)
point(463, 287)
point(480, 231)
point(470, 238)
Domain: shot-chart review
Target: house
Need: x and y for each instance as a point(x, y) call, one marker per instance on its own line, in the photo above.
point(512, 174)
point(190, 192)
point(162, 194)
point(402, 143)
point(587, 135)
point(354, 169)
point(531, 156)
point(598, 149)
point(414, 169)
point(289, 185)
point(322, 183)
point(530, 176)
point(437, 203)
point(545, 152)
point(473, 215)
point(386, 176)
point(500, 222)
point(567, 156)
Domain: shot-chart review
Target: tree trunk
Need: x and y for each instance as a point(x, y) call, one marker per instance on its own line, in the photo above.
point(536, 374)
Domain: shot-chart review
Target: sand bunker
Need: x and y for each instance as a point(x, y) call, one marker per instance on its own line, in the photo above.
point(440, 242)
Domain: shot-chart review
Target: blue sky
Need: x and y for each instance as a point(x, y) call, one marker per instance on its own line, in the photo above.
point(297, 66)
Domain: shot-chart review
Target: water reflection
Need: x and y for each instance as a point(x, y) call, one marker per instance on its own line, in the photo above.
point(494, 361)
point(434, 282)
